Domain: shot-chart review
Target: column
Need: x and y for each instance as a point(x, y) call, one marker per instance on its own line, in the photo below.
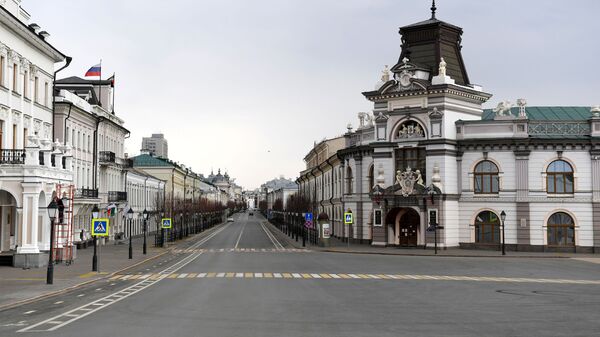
point(522, 183)
point(595, 159)
point(28, 241)
point(358, 179)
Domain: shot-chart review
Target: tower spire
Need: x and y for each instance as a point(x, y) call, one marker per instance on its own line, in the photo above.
point(433, 9)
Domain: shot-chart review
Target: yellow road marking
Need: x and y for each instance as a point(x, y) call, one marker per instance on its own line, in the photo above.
point(211, 274)
point(268, 275)
point(286, 275)
point(230, 275)
point(249, 275)
point(306, 276)
point(325, 276)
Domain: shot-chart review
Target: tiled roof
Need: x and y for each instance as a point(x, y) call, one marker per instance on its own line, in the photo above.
point(547, 113)
point(145, 160)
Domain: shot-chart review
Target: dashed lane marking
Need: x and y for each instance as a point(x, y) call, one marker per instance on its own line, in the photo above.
point(68, 317)
point(243, 250)
point(363, 277)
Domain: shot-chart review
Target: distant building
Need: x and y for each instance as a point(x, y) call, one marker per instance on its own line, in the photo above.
point(156, 145)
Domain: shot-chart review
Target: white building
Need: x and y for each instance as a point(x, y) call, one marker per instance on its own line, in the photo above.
point(31, 166)
point(430, 153)
point(97, 135)
point(144, 192)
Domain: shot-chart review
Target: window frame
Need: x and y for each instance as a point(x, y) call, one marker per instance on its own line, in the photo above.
point(485, 175)
point(495, 228)
point(564, 175)
point(565, 228)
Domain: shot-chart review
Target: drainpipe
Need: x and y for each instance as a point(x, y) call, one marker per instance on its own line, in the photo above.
point(68, 60)
point(96, 150)
point(322, 187)
point(65, 125)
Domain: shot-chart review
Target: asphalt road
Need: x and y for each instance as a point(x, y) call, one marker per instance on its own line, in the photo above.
point(243, 279)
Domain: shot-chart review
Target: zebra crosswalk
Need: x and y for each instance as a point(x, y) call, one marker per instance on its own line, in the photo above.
point(347, 276)
point(243, 250)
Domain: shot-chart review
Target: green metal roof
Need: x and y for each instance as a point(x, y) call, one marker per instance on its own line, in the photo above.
point(548, 113)
point(146, 160)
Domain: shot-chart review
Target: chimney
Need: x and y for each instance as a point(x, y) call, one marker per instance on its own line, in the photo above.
point(34, 27)
point(44, 35)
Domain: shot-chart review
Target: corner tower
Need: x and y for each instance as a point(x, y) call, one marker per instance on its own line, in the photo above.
point(425, 42)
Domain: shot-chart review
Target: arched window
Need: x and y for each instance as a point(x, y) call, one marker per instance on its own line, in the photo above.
point(559, 177)
point(561, 230)
point(349, 180)
point(486, 177)
point(371, 177)
point(487, 227)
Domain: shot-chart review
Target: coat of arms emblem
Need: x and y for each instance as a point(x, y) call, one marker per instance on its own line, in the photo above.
point(407, 180)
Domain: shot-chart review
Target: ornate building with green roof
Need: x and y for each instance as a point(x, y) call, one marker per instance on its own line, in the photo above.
point(430, 162)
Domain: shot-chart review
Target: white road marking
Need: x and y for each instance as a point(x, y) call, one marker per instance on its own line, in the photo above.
point(272, 237)
point(59, 302)
point(117, 296)
point(29, 312)
point(80, 295)
point(240, 236)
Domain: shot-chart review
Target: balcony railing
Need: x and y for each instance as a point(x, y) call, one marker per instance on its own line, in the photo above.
point(107, 157)
point(12, 156)
point(116, 196)
point(86, 193)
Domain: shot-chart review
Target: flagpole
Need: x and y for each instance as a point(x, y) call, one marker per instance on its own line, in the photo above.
point(100, 86)
point(113, 93)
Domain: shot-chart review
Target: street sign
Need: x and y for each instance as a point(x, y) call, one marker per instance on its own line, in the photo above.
point(308, 217)
point(308, 224)
point(100, 227)
point(348, 219)
point(166, 223)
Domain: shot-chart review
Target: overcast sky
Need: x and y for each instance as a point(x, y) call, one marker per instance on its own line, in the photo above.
point(248, 86)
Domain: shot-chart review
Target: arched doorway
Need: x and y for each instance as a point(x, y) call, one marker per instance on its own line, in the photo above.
point(403, 227)
point(8, 221)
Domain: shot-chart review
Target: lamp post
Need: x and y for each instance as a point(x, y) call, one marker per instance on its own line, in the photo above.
point(503, 217)
point(145, 215)
point(95, 213)
point(130, 217)
point(52, 210)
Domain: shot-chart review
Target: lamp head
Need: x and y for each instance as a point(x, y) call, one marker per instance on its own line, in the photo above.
point(145, 214)
point(503, 215)
point(130, 214)
point(95, 212)
point(52, 210)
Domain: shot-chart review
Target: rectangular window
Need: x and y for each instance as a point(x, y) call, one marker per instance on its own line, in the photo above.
point(413, 157)
point(1, 133)
point(36, 82)
point(14, 136)
point(25, 135)
point(15, 78)
point(46, 94)
point(25, 82)
point(2, 60)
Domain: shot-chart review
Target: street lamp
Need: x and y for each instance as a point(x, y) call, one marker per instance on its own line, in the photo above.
point(130, 217)
point(503, 217)
point(95, 214)
point(52, 211)
point(145, 215)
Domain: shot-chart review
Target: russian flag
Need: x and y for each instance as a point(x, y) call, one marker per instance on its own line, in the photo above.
point(94, 71)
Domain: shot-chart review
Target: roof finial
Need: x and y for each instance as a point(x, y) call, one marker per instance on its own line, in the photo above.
point(433, 9)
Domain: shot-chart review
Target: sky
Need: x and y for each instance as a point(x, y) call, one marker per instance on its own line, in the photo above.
point(249, 86)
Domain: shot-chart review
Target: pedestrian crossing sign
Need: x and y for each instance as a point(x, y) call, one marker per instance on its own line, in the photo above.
point(348, 218)
point(100, 227)
point(166, 223)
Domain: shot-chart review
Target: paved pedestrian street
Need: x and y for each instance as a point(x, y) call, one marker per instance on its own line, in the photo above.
point(244, 278)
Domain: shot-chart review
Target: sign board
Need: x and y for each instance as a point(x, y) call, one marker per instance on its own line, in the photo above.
point(308, 224)
point(100, 227)
point(167, 223)
point(348, 219)
point(377, 221)
point(433, 216)
point(326, 231)
point(308, 217)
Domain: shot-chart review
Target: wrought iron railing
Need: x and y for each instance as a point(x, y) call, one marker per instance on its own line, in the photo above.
point(116, 196)
point(107, 157)
point(87, 193)
point(12, 156)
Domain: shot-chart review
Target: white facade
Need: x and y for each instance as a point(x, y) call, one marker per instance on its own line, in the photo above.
point(144, 192)
point(31, 165)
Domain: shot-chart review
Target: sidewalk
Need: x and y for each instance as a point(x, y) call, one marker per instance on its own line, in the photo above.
point(338, 246)
point(23, 285)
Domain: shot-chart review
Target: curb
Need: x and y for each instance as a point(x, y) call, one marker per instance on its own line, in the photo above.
point(82, 284)
point(329, 250)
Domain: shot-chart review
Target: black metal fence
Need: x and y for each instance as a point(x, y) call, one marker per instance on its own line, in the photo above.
point(12, 156)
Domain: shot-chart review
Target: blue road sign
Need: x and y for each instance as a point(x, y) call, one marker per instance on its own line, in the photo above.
point(308, 217)
point(100, 227)
point(348, 218)
point(166, 223)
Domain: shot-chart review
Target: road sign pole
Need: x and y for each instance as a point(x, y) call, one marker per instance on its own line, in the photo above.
point(95, 258)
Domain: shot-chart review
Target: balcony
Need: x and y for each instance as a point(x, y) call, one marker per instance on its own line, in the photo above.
point(116, 196)
point(86, 193)
point(15, 157)
point(107, 157)
point(110, 158)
